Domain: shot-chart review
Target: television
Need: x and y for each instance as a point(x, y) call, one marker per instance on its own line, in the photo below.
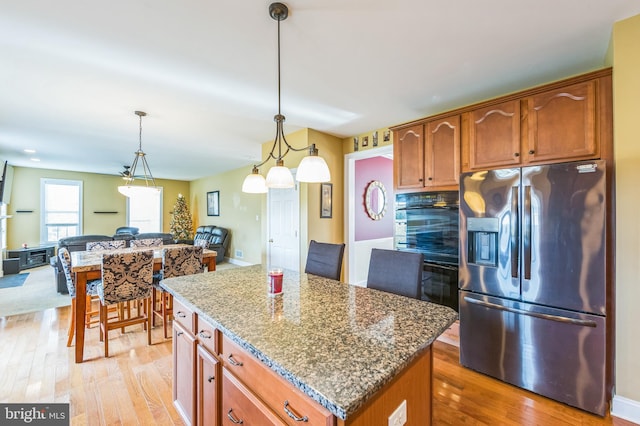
point(5, 183)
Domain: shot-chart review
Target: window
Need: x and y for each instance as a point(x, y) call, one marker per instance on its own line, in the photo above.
point(144, 210)
point(61, 202)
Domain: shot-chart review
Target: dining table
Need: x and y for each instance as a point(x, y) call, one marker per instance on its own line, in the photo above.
point(87, 266)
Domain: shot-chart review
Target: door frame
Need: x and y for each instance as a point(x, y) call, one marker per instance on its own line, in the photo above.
point(350, 205)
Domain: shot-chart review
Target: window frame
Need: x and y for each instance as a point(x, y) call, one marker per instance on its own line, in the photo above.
point(44, 227)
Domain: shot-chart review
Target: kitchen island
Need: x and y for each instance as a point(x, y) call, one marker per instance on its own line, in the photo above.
point(349, 354)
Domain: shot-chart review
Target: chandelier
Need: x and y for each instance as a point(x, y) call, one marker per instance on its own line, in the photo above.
point(311, 169)
point(128, 189)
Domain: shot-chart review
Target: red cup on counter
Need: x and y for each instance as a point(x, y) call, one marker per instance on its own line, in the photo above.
point(275, 280)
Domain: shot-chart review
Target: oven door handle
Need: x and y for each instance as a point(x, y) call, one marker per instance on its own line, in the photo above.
point(437, 265)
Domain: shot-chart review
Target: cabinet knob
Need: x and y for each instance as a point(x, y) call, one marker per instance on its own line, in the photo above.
point(516, 154)
point(532, 151)
point(210, 379)
point(430, 178)
point(420, 180)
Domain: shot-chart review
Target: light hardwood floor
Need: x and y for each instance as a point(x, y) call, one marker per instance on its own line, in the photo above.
point(133, 386)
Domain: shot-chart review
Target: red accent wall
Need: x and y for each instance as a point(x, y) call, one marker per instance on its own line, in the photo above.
point(367, 170)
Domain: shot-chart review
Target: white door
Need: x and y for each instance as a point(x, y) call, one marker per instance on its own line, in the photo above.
point(284, 228)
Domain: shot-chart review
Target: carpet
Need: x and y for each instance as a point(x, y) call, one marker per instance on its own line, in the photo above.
point(15, 280)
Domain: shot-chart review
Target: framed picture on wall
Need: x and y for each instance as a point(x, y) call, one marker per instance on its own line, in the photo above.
point(326, 195)
point(213, 203)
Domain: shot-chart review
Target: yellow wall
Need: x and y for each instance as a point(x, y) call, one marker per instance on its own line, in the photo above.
point(312, 227)
point(626, 93)
point(100, 193)
point(240, 213)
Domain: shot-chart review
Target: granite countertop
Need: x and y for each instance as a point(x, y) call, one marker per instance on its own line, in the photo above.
point(337, 343)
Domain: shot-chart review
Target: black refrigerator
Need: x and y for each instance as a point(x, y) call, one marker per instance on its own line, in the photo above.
point(533, 280)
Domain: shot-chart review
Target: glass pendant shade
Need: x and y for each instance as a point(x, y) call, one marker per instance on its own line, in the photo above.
point(129, 190)
point(254, 183)
point(313, 169)
point(280, 177)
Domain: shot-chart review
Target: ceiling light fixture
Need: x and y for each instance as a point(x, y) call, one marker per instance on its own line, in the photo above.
point(311, 169)
point(130, 189)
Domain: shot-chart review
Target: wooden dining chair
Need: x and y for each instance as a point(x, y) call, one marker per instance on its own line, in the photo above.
point(146, 242)
point(126, 277)
point(176, 262)
point(65, 261)
point(324, 259)
point(394, 271)
point(93, 316)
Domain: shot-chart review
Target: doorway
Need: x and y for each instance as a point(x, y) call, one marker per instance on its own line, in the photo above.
point(283, 239)
point(357, 253)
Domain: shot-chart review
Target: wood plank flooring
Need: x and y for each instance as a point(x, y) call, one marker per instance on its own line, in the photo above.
point(133, 386)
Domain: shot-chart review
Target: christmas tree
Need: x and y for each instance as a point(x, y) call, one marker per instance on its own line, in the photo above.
point(181, 225)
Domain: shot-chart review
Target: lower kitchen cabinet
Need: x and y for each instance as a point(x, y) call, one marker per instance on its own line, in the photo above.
point(241, 406)
point(195, 369)
point(206, 387)
point(184, 346)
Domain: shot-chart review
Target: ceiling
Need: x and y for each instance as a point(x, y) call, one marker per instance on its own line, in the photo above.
point(73, 71)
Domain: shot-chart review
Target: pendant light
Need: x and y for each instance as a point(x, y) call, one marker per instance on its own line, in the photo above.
point(129, 189)
point(312, 168)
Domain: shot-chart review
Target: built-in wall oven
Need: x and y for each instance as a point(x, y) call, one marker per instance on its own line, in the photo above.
point(427, 222)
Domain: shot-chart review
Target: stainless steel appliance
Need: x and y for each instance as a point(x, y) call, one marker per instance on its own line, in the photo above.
point(534, 293)
point(427, 222)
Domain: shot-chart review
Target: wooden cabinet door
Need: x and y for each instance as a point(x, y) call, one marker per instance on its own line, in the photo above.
point(409, 157)
point(206, 385)
point(494, 136)
point(562, 124)
point(442, 152)
point(184, 373)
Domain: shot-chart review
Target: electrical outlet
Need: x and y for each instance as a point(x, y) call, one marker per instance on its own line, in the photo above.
point(239, 254)
point(399, 417)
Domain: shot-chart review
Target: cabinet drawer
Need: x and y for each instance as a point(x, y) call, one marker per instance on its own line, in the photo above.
point(240, 406)
point(207, 335)
point(185, 316)
point(283, 398)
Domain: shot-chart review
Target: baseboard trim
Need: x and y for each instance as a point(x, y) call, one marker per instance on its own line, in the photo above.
point(237, 262)
point(626, 409)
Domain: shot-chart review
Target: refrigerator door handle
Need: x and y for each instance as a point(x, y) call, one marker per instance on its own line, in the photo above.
point(566, 320)
point(515, 242)
point(526, 231)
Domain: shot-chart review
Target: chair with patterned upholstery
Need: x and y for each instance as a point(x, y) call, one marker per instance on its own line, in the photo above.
point(92, 316)
point(176, 262)
point(324, 259)
point(106, 245)
point(65, 261)
point(125, 277)
point(146, 242)
point(201, 243)
point(394, 271)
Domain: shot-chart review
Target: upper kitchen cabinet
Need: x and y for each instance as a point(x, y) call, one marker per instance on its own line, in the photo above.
point(408, 153)
point(427, 155)
point(493, 136)
point(562, 124)
point(564, 121)
point(442, 152)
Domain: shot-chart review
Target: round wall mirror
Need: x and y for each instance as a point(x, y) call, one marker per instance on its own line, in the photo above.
point(375, 200)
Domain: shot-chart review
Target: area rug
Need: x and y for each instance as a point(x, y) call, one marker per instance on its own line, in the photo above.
point(15, 280)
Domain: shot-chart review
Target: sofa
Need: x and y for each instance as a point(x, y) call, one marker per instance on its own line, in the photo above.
point(217, 238)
